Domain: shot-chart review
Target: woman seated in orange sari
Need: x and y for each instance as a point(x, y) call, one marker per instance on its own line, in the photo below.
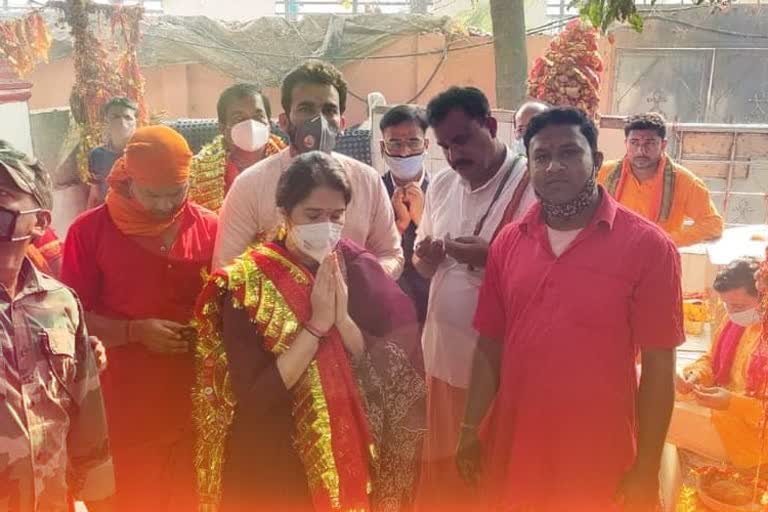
point(730, 379)
point(310, 395)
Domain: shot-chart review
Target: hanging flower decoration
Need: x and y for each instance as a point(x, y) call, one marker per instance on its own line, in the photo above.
point(127, 19)
point(101, 72)
point(570, 73)
point(24, 42)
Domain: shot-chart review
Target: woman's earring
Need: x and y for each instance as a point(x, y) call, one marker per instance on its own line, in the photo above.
point(282, 231)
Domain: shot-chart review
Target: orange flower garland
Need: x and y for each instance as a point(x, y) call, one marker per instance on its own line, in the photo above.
point(570, 72)
point(24, 42)
point(99, 75)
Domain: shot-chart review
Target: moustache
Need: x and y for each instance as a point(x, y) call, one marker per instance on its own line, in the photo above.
point(462, 163)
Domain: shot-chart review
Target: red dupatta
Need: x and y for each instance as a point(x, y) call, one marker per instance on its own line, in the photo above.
point(725, 355)
point(332, 435)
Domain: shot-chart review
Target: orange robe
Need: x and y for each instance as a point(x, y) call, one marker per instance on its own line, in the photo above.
point(690, 201)
point(739, 425)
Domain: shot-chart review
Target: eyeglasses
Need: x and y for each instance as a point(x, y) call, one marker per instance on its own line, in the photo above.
point(412, 144)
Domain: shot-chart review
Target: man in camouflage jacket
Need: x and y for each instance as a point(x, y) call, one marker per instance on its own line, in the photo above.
point(53, 431)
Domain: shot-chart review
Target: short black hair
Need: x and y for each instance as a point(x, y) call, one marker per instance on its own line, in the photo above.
point(313, 72)
point(119, 102)
point(469, 99)
point(307, 172)
point(648, 121)
point(404, 114)
point(739, 273)
point(568, 116)
point(237, 91)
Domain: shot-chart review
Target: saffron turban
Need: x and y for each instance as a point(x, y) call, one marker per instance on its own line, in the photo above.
point(156, 156)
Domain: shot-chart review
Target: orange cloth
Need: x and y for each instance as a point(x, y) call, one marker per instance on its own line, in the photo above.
point(691, 200)
point(156, 156)
point(656, 186)
point(739, 425)
point(37, 259)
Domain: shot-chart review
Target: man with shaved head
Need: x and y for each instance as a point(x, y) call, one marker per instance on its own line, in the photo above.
point(522, 117)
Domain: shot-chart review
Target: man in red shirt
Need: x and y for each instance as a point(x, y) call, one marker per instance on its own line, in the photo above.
point(571, 293)
point(137, 263)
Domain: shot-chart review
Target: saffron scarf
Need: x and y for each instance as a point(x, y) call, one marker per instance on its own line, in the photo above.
point(128, 214)
point(37, 259)
point(156, 156)
point(43, 252)
point(49, 245)
point(514, 204)
point(332, 436)
point(663, 186)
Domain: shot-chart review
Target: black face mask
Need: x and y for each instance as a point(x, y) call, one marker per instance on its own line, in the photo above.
point(8, 220)
point(313, 134)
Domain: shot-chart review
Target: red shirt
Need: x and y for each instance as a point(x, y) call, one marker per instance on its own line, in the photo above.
point(230, 173)
point(561, 432)
point(116, 277)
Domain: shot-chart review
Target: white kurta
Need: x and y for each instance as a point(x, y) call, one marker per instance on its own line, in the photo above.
point(452, 208)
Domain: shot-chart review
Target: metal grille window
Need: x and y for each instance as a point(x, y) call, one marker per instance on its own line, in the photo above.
point(693, 85)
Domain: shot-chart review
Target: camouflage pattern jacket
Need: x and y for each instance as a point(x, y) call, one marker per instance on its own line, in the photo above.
point(53, 430)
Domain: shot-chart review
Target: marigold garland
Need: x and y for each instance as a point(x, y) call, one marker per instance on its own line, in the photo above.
point(24, 42)
point(99, 73)
point(570, 72)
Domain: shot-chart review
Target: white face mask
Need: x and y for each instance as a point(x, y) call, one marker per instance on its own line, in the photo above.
point(519, 146)
point(120, 133)
point(745, 318)
point(250, 135)
point(405, 168)
point(316, 240)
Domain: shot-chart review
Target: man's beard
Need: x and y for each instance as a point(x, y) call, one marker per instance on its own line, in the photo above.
point(645, 164)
